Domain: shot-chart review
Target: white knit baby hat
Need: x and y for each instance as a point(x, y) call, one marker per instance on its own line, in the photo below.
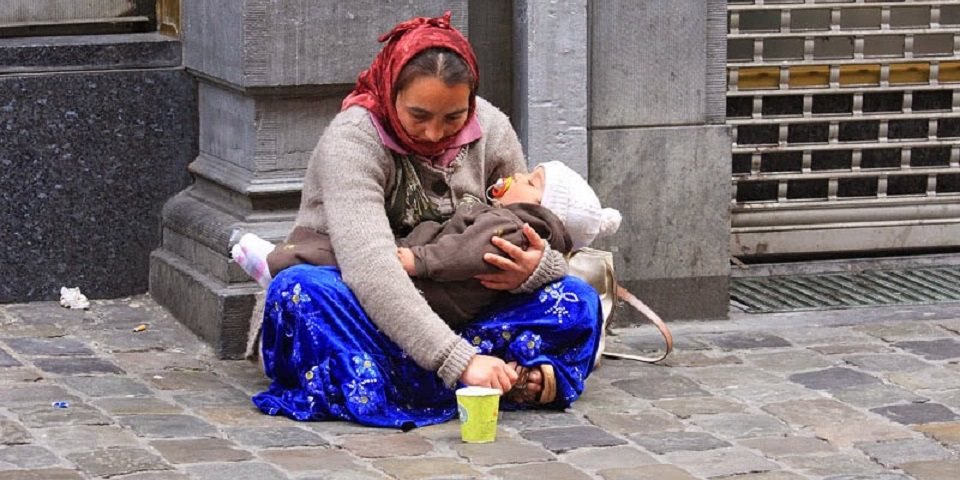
point(569, 196)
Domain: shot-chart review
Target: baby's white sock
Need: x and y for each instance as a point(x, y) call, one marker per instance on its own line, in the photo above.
point(251, 254)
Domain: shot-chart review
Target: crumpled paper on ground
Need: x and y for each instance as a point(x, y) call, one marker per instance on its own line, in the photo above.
point(72, 298)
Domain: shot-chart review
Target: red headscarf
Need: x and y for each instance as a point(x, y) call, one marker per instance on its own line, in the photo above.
point(375, 86)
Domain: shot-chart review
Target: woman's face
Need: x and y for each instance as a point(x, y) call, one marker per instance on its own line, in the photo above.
point(430, 110)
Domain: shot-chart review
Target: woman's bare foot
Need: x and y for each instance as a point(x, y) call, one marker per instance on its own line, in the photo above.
point(529, 384)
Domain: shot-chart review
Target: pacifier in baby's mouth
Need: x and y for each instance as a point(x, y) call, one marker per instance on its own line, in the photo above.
point(498, 189)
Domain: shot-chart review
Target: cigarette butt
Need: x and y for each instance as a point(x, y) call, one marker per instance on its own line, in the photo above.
point(140, 328)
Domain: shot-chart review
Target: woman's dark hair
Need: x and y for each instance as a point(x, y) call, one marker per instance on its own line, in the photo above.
point(437, 62)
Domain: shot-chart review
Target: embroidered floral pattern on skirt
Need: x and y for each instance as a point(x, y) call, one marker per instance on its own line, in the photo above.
point(327, 360)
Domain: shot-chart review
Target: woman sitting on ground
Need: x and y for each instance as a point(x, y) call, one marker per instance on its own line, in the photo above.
point(358, 342)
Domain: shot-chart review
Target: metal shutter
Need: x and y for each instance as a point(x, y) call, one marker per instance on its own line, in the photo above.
point(846, 125)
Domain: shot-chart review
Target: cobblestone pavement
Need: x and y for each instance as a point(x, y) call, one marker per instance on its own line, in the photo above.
point(855, 394)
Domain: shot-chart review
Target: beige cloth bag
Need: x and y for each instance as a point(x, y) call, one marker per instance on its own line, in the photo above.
point(596, 268)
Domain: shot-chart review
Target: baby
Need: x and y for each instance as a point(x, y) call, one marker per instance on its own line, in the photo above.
point(443, 258)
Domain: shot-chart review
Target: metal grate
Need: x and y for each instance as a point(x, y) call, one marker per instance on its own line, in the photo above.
point(842, 113)
point(845, 290)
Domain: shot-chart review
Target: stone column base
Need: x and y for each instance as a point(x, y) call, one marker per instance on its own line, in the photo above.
point(217, 312)
point(192, 274)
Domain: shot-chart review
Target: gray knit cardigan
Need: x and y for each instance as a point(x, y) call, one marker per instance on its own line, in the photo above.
point(347, 181)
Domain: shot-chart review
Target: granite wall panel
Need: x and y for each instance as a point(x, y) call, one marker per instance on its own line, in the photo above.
point(88, 159)
point(87, 52)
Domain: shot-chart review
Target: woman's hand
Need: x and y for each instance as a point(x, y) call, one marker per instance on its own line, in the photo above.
point(516, 269)
point(487, 371)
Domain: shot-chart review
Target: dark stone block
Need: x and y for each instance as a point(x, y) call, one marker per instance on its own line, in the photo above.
point(871, 476)
point(33, 394)
point(121, 317)
point(524, 419)
point(917, 413)
point(836, 378)
point(886, 362)
point(28, 456)
point(653, 341)
point(737, 341)
point(237, 471)
point(46, 313)
point(107, 386)
point(932, 349)
point(77, 366)
point(667, 442)
point(41, 474)
point(48, 346)
point(89, 159)
point(45, 416)
point(48, 53)
point(562, 439)
point(200, 450)
point(274, 437)
point(657, 387)
point(225, 397)
point(168, 426)
point(12, 433)
point(109, 462)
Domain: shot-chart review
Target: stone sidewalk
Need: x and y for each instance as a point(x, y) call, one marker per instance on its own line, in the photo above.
point(855, 394)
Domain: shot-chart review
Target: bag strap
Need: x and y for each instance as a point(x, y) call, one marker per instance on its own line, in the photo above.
point(635, 302)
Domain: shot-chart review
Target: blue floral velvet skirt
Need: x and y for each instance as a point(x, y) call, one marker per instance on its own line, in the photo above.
point(327, 359)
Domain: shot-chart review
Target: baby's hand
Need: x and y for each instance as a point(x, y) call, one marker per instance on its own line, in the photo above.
point(406, 259)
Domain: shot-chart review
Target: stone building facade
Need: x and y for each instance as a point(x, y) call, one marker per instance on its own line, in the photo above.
point(628, 92)
point(98, 122)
